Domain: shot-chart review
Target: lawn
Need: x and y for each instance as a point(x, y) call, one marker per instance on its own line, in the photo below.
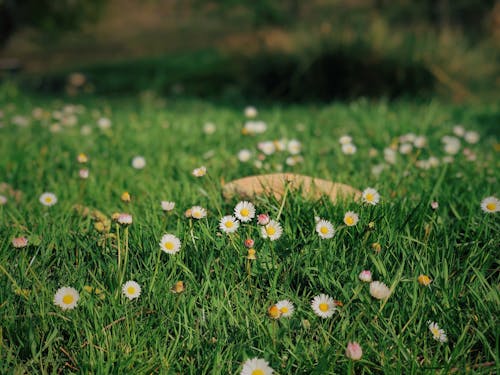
point(429, 221)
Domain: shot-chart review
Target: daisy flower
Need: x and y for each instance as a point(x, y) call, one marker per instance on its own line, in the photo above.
point(459, 130)
point(3, 200)
point(263, 219)
point(274, 312)
point(251, 112)
point(348, 149)
point(104, 123)
point(244, 155)
point(471, 137)
point(437, 333)
point(48, 199)
point(379, 290)
point(323, 306)
point(198, 212)
point(345, 140)
point(131, 290)
point(351, 218)
point(490, 204)
point(294, 147)
point(256, 366)
point(170, 244)
point(244, 211)
point(66, 298)
point(82, 158)
point(370, 196)
point(209, 128)
point(325, 229)
point(267, 147)
point(286, 308)
point(138, 162)
point(199, 172)
point(229, 224)
point(272, 230)
point(167, 206)
point(83, 173)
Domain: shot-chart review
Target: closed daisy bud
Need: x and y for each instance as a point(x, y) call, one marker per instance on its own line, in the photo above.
point(434, 205)
point(365, 276)
point(124, 219)
point(263, 219)
point(377, 247)
point(178, 287)
point(249, 243)
point(125, 197)
point(353, 351)
point(424, 280)
point(274, 312)
point(19, 242)
point(251, 254)
point(82, 158)
point(83, 173)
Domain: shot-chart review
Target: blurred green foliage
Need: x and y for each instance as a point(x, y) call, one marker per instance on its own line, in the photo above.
point(50, 16)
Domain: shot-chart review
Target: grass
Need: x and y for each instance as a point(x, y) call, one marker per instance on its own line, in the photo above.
point(221, 318)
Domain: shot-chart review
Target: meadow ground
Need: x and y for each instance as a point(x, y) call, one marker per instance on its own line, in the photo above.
point(431, 174)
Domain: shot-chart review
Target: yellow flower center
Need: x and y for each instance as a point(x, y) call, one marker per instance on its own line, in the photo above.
point(284, 310)
point(491, 206)
point(435, 331)
point(130, 290)
point(369, 197)
point(349, 220)
point(324, 230)
point(244, 212)
point(323, 307)
point(258, 372)
point(270, 231)
point(48, 199)
point(169, 245)
point(229, 224)
point(68, 299)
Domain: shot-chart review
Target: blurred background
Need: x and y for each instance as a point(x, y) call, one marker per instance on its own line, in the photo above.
point(265, 50)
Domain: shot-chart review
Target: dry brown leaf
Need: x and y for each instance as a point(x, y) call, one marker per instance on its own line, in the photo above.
point(275, 184)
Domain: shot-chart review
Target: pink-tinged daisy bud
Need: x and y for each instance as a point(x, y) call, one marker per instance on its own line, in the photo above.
point(263, 219)
point(354, 351)
point(249, 243)
point(434, 205)
point(19, 242)
point(365, 276)
point(125, 219)
point(83, 173)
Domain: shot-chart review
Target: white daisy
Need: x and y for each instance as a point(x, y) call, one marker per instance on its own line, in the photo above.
point(167, 206)
point(294, 147)
point(198, 212)
point(490, 205)
point(229, 224)
point(471, 137)
point(256, 366)
point(131, 290)
point(348, 149)
point(199, 172)
point(379, 290)
point(324, 229)
point(244, 155)
point(244, 211)
point(251, 112)
point(138, 162)
point(286, 308)
point(66, 298)
point(323, 306)
point(272, 230)
point(3, 200)
point(48, 199)
point(267, 147)
point(437, 333)
point(170, 244)
point(209, 128)
point(345, 140)
point(420, 141)
point(459, 130)
point(370, 196)
point(351, 218)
